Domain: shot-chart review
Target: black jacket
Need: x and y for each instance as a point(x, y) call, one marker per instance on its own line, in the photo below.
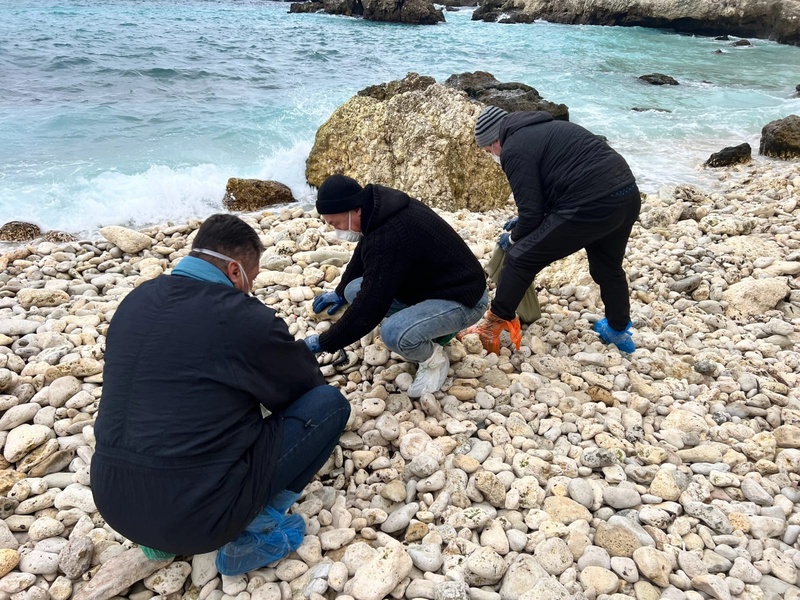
point(408, 253)
point(557, 167)
point(184, 459)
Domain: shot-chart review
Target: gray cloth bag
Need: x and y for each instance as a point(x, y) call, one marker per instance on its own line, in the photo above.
point(528, 309)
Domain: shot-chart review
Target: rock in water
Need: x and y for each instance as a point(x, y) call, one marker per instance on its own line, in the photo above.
point(19, 231)
point(732, 155)
point(658, 79)
point(510, 96)
point(781, 138)
point(247, 195)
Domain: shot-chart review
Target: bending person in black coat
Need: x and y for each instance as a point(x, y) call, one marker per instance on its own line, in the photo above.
point(410, 266)
point(572, 191)
point(185, 463)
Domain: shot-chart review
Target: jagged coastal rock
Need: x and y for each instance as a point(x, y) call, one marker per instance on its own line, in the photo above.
point(413, 12)
point(777, 20)
point(512, 96)
point(247, 195)
point(781, 138)
point(19, 231)
point(566, 470)
point(732, 155)
point(416, 135)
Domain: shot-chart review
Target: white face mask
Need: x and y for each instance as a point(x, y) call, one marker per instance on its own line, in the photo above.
point(245, 280)
point(348, 235)
point(496, 158)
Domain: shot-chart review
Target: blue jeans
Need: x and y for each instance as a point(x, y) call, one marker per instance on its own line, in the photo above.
point(410, 330)
point(312, 425)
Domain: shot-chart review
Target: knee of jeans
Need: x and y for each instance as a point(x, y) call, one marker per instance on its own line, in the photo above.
point(391, 334)
point(351, 290)
point(335, 402)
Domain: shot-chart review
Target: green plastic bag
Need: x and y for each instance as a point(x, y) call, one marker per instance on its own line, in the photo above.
point(528, 309)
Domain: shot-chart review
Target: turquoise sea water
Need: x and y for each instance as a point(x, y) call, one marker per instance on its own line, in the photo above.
point(137, 111)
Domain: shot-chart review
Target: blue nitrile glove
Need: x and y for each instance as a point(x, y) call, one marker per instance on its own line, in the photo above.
point(505, 241)
point(510, 224)
point(328, 298)
point(312, 342)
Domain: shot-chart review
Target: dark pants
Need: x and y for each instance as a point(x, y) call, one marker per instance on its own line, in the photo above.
point(311, 429)
point(604, 239)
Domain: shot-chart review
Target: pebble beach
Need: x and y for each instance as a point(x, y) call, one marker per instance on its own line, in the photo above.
point(564, 470)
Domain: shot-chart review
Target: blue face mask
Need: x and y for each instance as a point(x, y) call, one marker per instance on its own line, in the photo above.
point(245, 281)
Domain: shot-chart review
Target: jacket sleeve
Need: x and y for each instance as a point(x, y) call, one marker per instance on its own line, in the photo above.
point(354, 270)
point(268, 362)
point(526, 186)
point(382, 275)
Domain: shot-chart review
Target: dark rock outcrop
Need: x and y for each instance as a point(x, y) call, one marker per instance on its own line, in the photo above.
point(777, 20)
point(658, 79)
point(414, 12)
point(741, 44)
point(781, 138)
point(246, 195)
point(503, 11)
point(306, 7)
point(510, 96)
point(649, 108)
point(19, 231)
point(732, 155)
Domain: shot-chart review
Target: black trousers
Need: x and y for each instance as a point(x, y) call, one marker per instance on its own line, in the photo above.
point(604, 239)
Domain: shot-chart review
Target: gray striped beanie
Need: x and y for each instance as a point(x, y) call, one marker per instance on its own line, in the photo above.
point(487, 129)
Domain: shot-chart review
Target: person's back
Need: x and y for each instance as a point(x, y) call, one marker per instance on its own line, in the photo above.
point(573, 166)
point(184, 460)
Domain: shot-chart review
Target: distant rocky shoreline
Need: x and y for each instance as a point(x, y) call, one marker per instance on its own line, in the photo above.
point(777, 20)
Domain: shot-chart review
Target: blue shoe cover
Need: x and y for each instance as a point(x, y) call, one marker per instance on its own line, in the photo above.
point(284, 500)
point(621, 339)
point(253, 550)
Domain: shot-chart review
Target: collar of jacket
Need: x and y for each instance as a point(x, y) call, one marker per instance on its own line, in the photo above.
point(197, 268)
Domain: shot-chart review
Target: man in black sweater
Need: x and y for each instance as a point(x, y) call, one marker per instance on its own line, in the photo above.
point(410, 266)
point(185, 463)
point(572, 191)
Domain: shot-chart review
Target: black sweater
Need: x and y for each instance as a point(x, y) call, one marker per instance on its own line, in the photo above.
point(184, 459)
point(408, 253)
point(558, 167)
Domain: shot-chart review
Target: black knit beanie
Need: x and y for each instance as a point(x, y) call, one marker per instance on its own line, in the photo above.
point(339, 194)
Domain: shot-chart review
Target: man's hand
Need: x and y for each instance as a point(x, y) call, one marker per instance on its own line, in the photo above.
point(331, 299)
point(510, 224)
point(505, 241)
point(312, 342)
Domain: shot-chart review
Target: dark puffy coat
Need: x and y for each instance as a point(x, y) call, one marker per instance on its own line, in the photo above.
point(557, 167)
point(184, 459)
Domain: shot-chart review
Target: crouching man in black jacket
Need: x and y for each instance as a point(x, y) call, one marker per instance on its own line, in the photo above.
point(409, 266)
point(185, 463)
point(572, 191)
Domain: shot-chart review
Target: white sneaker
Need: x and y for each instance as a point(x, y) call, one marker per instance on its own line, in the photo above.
point(430, 374)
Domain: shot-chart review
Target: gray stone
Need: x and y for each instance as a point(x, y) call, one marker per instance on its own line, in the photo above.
point(76, 557)
point(621, 497)
point(710, 515)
